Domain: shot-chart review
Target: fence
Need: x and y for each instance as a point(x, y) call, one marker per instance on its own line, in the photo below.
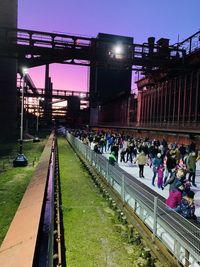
point(179, 235)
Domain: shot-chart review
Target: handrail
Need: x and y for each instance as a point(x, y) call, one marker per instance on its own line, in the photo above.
point(34, 236)
point(19, 246)
point(57, 218)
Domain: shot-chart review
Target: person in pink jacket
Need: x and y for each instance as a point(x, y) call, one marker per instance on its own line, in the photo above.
point(175, 197)
point(160, 173)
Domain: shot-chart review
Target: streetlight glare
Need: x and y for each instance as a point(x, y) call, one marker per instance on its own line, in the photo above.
point(24, 70)
point(82, 95)
point(118, 49)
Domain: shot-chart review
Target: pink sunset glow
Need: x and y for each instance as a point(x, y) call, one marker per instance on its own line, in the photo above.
point(68, 77)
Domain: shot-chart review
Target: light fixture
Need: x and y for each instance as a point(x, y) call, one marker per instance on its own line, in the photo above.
point(21, 160)
point(118, 50)
point(24, 71)
point(82, 95)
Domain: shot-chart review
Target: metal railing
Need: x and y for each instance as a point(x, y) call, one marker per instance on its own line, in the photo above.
point(54, 244)
point(191, 44)
point(50, 234)
point(179, 235)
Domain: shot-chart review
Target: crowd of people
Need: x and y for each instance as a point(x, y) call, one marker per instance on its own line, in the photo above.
point(171, 164)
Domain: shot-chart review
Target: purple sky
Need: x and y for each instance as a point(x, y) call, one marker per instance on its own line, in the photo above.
point(139, 19)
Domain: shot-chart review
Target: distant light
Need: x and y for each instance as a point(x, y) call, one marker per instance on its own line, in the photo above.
point(118, 50)
point(24, 70)
point(82, 95)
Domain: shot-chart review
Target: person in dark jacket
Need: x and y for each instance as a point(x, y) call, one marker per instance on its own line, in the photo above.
point(122, 155)
point(115, 149)
point(187, 206)
point(176, 177)
point(191, 166)
point(182, 150)
point(157, 161)
point(170, 165)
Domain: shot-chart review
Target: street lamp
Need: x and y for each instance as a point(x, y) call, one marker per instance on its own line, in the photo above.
point(36, 138)
point(21, 160)
point(118, 51)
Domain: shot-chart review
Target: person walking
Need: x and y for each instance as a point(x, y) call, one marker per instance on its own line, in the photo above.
point(170, 165)
point(157, 161)
point(191, 166)
point(141, 160)
point(112, 159)
point(160, 172)
point(122, 155)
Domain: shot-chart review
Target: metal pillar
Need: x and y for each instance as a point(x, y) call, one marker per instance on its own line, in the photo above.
point(174, 100)
point(184, 98)
point(170, 102)
point(158, 104)
point(154, 106)
point(147, 109)
point(190, 97)
point(142, 108)
point(165, 101)
point(48, 98)
point(151, 106)
point(179, 100)
point(196, 97)
point(161, 104)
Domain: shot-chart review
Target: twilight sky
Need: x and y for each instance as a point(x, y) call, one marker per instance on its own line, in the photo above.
point(139, 19)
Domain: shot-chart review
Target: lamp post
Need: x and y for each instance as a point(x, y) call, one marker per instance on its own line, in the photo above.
point(21, 160)
point(25, 71)
point(36, 138)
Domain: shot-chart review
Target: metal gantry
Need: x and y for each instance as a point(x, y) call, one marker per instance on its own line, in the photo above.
point(35, 48)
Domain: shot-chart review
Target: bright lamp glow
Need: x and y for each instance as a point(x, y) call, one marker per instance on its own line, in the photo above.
point(82, 95)
point(25, 71)
point(118, 49)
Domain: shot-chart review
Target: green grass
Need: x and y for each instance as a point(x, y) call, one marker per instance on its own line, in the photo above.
point(14, 181)
point(92, 235)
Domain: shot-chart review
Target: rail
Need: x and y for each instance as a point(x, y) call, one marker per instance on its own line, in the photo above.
point(186, 128)
point(180, 236)
point(190, 44)
point(34, 236)
point(52, 256)
point(56, 93)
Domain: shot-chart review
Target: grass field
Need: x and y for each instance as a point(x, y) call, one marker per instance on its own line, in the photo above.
point(13, 181)
point(93, 236)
